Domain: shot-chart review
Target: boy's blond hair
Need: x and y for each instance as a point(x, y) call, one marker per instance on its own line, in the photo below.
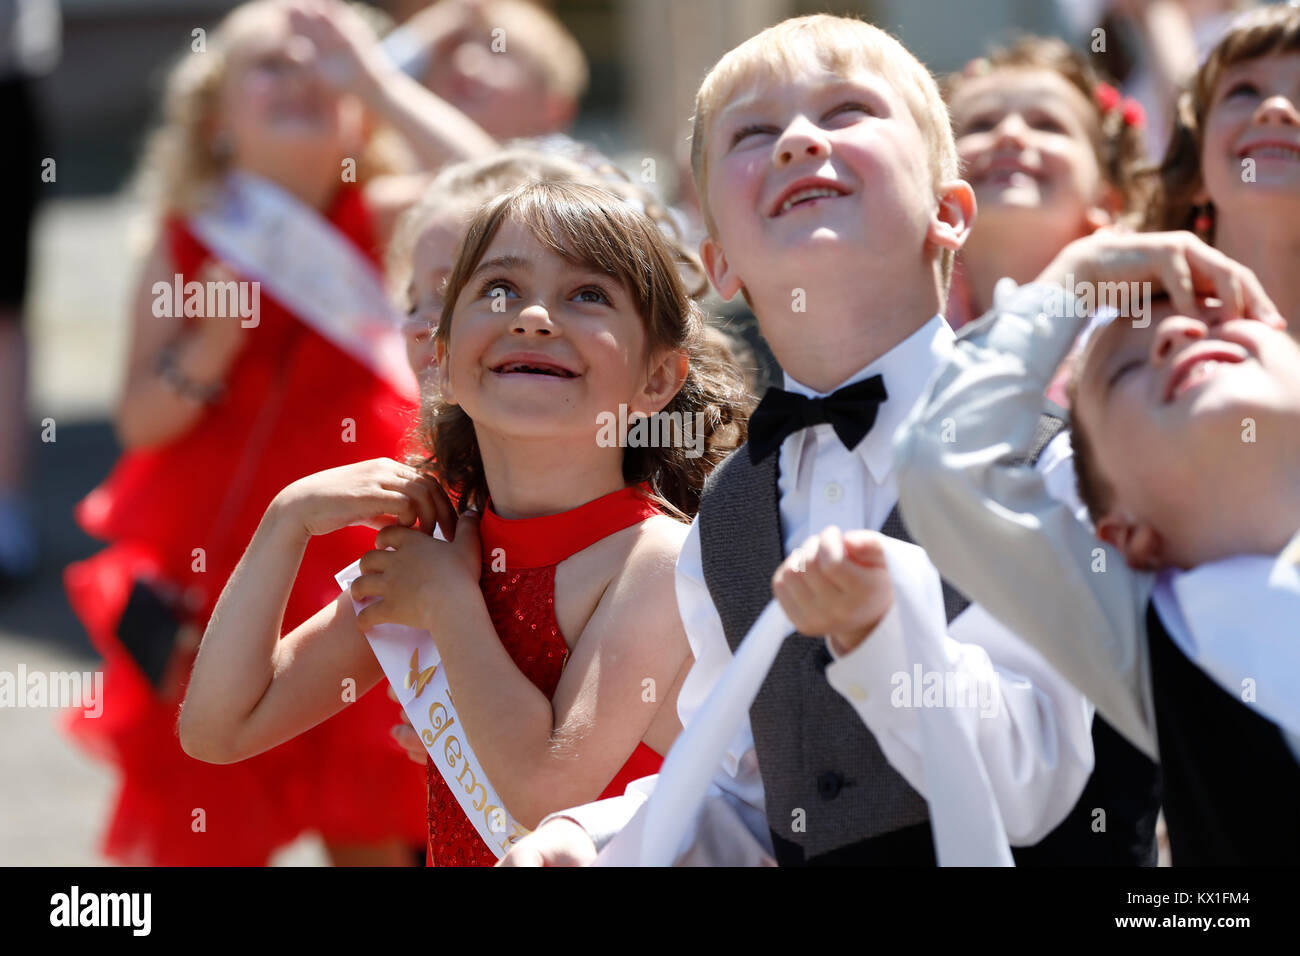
point(838, 43)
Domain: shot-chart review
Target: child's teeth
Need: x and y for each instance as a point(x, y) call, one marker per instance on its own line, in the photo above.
point(1277, 152)
point(807, 194)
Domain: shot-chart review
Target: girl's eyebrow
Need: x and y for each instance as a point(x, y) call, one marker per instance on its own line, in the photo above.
point(502, 262)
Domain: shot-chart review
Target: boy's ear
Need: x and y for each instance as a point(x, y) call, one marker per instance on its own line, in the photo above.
point(953, 216)
point(444, 372)
point(1141, 544)
point(720, 273)
point(665, 380)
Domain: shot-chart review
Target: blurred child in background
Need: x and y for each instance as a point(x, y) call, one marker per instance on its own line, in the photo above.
point(220, 409)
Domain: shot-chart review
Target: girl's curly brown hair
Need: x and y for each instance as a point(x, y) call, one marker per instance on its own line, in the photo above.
point(1262, 32)
point(1118, 143)
point(594, 226)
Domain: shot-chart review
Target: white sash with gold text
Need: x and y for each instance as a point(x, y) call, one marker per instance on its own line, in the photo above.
point(410, 661)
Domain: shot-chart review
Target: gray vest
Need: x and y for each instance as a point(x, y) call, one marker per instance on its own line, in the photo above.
point(814, 752)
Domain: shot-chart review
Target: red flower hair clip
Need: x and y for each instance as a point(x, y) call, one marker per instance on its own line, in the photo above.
point(1108, 100)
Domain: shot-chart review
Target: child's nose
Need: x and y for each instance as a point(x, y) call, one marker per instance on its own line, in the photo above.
point(801, 138)
point(534, 320)
point(1278, 109)
point(1172, 334)
point(1011, 129)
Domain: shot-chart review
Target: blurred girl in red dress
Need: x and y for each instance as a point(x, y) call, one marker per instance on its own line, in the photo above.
point(262, 350)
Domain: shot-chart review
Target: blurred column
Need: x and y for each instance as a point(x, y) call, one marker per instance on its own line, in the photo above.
point(945, 34)
point(669, 46)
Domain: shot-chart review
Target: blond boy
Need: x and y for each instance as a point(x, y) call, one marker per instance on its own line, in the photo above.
point(827, 175)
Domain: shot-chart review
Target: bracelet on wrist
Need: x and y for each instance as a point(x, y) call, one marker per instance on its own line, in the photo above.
point(169, 371)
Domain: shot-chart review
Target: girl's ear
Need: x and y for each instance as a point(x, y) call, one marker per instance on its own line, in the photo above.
point(1109, 205)
point(953, 216)
point(444, 372)
point(1097, 217)
point(1141, 544)
point(720, 274)
point(666, 378)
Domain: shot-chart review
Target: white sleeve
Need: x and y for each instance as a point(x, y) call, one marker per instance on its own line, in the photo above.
point(937, 697)
point(992, 528)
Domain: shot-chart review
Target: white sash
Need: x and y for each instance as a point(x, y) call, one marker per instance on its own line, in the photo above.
point(410, 660)
point(965, 820)
point(308, 266)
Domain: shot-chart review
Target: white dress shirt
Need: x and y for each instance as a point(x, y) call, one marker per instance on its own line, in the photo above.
point(999, 535)
point(1036, 747)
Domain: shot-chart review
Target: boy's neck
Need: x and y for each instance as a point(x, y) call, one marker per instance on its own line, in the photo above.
point(1269, 245)
point(528, 478)
point(845, 327)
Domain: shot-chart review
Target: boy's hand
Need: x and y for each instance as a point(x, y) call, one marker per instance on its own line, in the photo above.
point(836, 584)
point(421, 580)
point(1178, 262)
point(372, 494)
point(558, 842)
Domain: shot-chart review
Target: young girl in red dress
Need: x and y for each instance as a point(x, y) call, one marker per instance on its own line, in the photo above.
point(552, 605)
point(1053, 154)
point(1232, 170)
point(219, 412)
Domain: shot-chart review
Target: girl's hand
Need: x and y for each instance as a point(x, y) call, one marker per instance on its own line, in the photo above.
point(1177, 262)
point(421, 580)
point(405, 735)
point(346, 49)
point(372, 494)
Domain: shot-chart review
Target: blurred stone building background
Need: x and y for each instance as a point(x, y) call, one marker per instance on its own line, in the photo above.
point(647, 57)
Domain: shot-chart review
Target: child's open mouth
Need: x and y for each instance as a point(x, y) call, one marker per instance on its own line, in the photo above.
point(806, 193)
point(532, 368)
point(1192, 370)
point(1007, 172)
point(1273, 150)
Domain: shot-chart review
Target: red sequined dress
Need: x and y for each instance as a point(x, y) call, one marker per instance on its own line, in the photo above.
point(521, 602)
point(207, 489)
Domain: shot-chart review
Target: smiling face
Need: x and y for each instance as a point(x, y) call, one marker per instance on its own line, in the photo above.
point(811, 175)
point(1250, 156)
point(1027, 142)
point(1164, 410)
point(273, 108)
point(540, 346)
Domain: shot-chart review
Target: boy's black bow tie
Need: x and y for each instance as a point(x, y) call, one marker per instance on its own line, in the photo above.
point(850, 410)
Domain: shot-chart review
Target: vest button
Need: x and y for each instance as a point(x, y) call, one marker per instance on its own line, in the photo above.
point(829, 783)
